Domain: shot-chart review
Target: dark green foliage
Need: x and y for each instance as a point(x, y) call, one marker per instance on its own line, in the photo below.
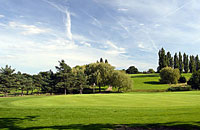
point(45, 80)
point(174, 89)
point(132, 70)
point(186, 63)
point(194, 81)
point(192, 66)
point(182, 79)
point(64, 77)
point(101, 60)
point(169, 75)
point(197, 63)
point(80, 80)
point(106, 61)
point(181, 65)
point(176, 61)
point(162, 59)
point(150, 71)
point(7, 80)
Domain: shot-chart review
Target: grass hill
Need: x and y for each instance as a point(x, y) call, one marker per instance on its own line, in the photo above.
point(135, 110)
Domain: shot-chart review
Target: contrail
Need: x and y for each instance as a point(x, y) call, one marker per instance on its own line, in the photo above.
point(177, 9)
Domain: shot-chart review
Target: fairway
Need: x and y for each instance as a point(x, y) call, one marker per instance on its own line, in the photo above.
point(98, 111)
point(150, 82)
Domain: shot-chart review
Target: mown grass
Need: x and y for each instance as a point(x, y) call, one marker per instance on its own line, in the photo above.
point(136, 110)
point(98, 111)
point(150, 82)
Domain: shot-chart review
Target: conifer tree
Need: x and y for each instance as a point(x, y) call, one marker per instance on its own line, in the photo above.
point(197, 63)
point(192, 66)
point(162, 59)
point(176, 61)
point(181, 65)
point(186, 63)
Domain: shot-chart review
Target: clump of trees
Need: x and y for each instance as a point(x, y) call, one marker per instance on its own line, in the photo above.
point(169, 75)
point(132, 70)
point(194, 81)
point(184, 63)
point(65, 79)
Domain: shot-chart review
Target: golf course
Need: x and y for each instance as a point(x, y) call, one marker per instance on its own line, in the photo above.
point(131, 110)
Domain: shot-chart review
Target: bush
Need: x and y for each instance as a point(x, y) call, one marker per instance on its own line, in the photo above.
point(194, 81)
point(132, 70)
point(172, 89)
point(182, 79)
point(169, 75)
point(150, 71)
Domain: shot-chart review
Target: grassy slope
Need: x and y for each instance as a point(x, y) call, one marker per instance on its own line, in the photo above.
point(150, 82)
point(101, 110)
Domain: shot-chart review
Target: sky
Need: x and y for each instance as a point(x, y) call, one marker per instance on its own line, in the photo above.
point(36, 34)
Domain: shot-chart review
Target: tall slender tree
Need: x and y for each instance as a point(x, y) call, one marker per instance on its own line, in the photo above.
point(186, 63)
point(176, 61)
point(197, 63)
point(64, 76)
point(162, 59)
point(192, 66)
point(181, 65)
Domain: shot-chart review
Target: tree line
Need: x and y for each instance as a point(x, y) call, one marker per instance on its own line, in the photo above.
point(185, 63)
point(78, 79)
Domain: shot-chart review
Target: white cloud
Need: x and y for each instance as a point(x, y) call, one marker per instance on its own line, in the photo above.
point(114, 49)
point(122, 9)
point(28, 29)
point(68, 25)
point(140, 45)
point(86, 44)
point(2, 16)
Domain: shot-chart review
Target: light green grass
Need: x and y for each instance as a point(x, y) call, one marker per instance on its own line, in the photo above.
point(101, 111)
point(150, 82)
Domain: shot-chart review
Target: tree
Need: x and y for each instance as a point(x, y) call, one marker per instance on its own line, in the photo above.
point(99, 74)
point(181, 65)
point(132, 70)
point(176, 61)
point(169, 59)
point(186, 63)
point(64, 76)
point(150, 71)
point(169, 75)
point(7, 80)
point(197, 63)
point(106, 61)
point(101, 60)
point(80, 80)
point(192, 66)
point(162, 59)
point(48, 81)
point(194, 81)
point(121, 81)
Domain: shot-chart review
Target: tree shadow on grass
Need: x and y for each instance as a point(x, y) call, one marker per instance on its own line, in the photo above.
point(153, 82)
point(144, 76)
point(13, 124)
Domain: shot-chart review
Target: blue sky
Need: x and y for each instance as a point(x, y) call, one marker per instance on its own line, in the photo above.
point(35, 35)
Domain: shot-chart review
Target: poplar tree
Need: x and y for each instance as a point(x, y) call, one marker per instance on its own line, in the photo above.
point(162, 59)
point(197, 63)
point(186, 63)
point(176, 61)
point(181, 65)
point(192, 66)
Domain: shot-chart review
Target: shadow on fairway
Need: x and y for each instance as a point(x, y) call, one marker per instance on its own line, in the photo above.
point(144, 76)
point(13, 124)
point(153, 83)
